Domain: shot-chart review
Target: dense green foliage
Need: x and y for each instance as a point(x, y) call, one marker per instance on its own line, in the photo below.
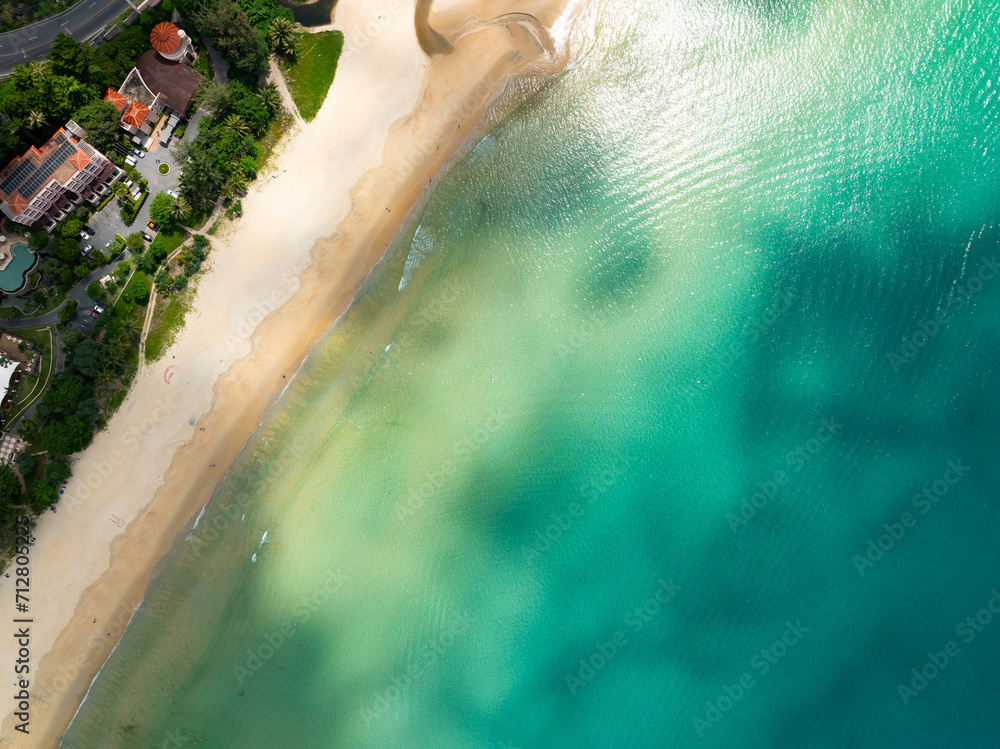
point(223, 157)
point(40, 96)
point(100, 120)
point(17, 13)
point(159, 210)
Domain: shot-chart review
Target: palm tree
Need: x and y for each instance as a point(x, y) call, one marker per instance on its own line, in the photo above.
point(236, 123)
point(117, 348)
point(35, 119)
point(180, 208)
point(238, 183)
point(281, 35)
point(271, 98)
point(105, 377)
point(39, 71)
point(131, 326)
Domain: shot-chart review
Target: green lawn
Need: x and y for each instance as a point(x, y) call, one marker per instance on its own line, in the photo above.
point(167, 320)
point(172, 239)
point(309, 78)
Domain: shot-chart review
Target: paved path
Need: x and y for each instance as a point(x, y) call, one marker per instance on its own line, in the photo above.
point(82, 21)
point(286, 96)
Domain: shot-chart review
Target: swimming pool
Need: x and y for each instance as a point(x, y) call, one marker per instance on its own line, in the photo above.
point(12, 277)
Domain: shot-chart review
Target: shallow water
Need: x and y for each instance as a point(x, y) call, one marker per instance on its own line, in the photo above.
point(670, 422)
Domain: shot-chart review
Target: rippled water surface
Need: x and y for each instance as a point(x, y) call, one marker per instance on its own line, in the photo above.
point(671, 421)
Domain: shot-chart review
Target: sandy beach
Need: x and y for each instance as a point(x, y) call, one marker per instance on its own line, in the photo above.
point(313, 229)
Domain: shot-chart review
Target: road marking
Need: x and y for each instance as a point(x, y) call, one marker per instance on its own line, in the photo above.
point(32, 37)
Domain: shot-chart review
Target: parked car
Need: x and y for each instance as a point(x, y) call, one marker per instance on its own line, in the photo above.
point(94, 313)
point(84, 235)
point(89, 231)
point(151, 225)
point(147, 237)
point(88, 248)
point(98, 308)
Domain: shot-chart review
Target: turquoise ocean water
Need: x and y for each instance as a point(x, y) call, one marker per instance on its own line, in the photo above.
point(671, 421)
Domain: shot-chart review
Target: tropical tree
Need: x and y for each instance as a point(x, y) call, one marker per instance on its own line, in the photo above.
point(131, 326)
point(214, 97)
point(271, 97)
point(117, 347)
point(237, 124)
point(105, 377)
point(39, 71)
point(281, 35)
point(35, 119)
point(236, 185)
point(180, 208)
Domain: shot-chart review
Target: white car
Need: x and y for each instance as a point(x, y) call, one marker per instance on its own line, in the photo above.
point(88, 248)
point(171, 193)
point(84, 235)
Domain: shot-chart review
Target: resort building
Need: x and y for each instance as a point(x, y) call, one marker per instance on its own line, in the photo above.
point(160, 82)
point(41, 187)
point(10, 375)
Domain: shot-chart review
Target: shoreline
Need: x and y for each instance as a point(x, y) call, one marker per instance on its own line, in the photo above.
point(275, 285)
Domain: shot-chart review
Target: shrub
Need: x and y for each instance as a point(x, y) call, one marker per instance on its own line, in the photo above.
point(127, 212)
point(134, 242)
point(68, 311)
point(42, 495)
point(38, 241)
point(26, 463)
point(56, 473)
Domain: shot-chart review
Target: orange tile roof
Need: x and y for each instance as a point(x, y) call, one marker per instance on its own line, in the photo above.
point(165, 38)
point(79, 160)
point(18, 203)
point(136, 113)
point(115, 98)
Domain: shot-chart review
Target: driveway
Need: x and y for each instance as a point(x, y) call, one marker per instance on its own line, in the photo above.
point(108, 222)
point(84, 20)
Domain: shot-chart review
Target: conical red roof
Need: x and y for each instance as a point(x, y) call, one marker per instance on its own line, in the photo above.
point(165, 38)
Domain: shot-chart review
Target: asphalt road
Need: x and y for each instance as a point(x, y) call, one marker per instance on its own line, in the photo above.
point(82, 21)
